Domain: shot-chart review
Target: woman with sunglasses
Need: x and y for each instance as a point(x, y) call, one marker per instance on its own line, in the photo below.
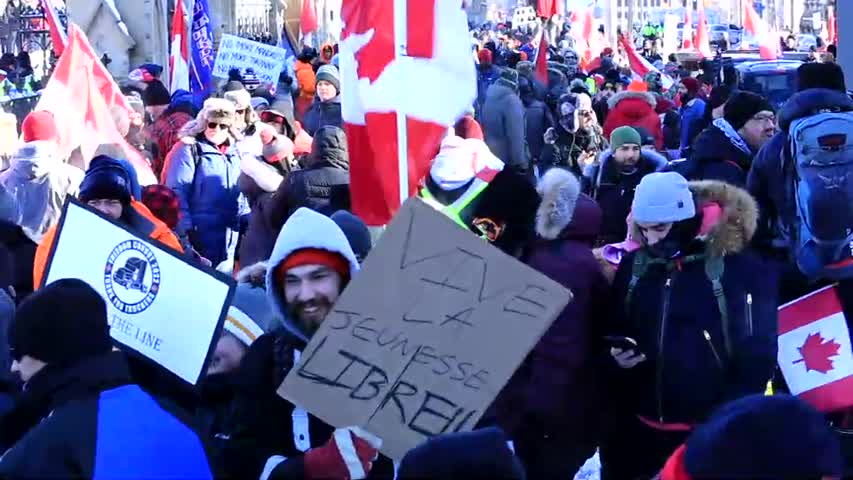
point(203, 170)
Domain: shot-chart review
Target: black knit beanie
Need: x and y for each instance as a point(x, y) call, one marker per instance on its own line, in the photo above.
point(156, 94)
point(743, 106)
point(61, 324)
point(106, 178)
point(820, 75)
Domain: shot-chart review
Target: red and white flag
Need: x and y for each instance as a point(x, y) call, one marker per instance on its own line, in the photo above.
point(703, 42)
point(549, 8)
point(814, 350)
point(307, 21)
point(687, 36)
point(80, 94)
point(542, 59)
point(831, 27)
point(754, 24)
point(582, 27)
point(58, 35)
point(179, 58)
point(397, 106)
point(640, 66)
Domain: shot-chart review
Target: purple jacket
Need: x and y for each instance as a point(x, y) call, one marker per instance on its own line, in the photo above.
point(555, 390)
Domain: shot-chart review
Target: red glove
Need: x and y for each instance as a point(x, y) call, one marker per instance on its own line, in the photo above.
point(348, 455)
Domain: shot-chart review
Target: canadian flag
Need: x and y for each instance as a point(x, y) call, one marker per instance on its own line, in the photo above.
point(398, 105)
point(582, 26)
point(753, 23)
point(307, 21)
point(179, 58)
point(58, 35)
point(815, 355)
point(687, 36)
point(703, 44)
point(80, 94)
point(542, 59)
point(549, 8)
point(640, 66)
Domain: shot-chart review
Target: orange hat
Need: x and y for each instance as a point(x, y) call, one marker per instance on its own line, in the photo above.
point(313, 256)
point(638, 86)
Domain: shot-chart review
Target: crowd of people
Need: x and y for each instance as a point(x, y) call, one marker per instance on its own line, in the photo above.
point(668, 213)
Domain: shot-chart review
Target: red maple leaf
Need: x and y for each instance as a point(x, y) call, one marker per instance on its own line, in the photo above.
point(360, 16)
point(817, 353)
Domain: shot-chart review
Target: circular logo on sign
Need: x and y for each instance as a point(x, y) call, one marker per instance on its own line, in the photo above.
point(132, 277)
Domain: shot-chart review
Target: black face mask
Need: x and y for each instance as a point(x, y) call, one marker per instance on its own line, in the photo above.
point(680, 238)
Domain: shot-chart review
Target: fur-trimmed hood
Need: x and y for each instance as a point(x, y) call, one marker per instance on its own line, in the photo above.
point(564, 211)
point(730, 217)
point(626, 95)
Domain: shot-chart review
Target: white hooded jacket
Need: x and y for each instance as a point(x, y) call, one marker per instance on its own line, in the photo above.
point(38, 184)
point(304, 229)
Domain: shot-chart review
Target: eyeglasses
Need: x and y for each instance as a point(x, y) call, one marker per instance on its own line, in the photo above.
point(221, 126)
point(242, 111)
point(765, 118)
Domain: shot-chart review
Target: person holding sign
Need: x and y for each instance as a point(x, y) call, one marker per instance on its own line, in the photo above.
point(310, 265)
point(80, 414)
point(107, 188)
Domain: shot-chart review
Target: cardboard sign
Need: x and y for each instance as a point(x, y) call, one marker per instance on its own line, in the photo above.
point(158, 305)
point(425, 336)
point(234, 52)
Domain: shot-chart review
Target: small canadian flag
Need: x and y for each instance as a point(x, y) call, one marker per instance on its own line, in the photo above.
point(815, 354)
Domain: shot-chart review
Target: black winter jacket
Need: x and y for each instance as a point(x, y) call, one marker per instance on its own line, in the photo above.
point(322, 114)
point(265, 425)
point(324, 183)
point(717, 155)
point(674, 316)
point(90, 421)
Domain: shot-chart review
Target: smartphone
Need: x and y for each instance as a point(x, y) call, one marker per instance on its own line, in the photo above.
point(622, 343)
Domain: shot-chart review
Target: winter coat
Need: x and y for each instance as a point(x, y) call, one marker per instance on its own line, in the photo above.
point(691, 115)
point(537, 121)
point(566, 151)
point(614, 191)
point(138, 218)
point(212, 206)
point(718, 153)
point(554, 390)
point(503, 125)
point(23, 252)
point(695, 362)
point(322, 186)
point(163, 134)
point(766, 180)
point(306, 81)
point(39, 183)
point(486, 76)
point(634, 109)
point(323, 114)
point(482, 454)
point(90, 421)
point(260, 430)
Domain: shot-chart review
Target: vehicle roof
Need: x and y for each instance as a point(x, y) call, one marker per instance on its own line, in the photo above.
point(768, 65)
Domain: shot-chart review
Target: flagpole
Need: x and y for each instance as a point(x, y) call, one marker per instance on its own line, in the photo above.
point(400, 41)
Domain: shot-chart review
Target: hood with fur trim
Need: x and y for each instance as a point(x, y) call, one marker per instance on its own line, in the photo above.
point(626, 95)
point(559, 190)
point(732, 226)
point(304, 229)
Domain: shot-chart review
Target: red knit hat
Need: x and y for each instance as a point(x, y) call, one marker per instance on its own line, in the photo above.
point(39, 125)
point(485, 56)
point(691, 84)
point(313, 256)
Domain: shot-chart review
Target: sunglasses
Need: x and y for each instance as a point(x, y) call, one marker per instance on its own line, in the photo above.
point(242, 111)
point(221, 126)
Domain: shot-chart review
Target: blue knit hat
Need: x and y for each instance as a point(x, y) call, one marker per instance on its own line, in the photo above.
point(663, 197)
point(764, 437)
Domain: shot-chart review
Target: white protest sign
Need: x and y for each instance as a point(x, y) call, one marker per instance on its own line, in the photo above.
point(234, 52)
point(158, 305)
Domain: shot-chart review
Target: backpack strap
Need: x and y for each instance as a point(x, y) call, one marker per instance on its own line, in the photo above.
point(714, 269)
point(641, 264)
